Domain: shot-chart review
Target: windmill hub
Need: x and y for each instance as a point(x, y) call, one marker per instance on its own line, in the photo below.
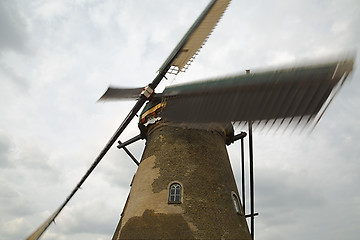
point(147, 91)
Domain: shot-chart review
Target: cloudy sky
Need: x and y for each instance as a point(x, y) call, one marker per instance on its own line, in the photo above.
point(58, 57)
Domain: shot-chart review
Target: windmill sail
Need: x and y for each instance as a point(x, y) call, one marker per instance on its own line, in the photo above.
point(189, 46)
point(184, 52)
point(273, 95)
point(40, 230)
point(120, 93)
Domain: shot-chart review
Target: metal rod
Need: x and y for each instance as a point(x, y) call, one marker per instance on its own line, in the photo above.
point(249, 215)
point(242, 174)
point(129, 153)
point(239, 136)
point(131, 140)
point(252, 224)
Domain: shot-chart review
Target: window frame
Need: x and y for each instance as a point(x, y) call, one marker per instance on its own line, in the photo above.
point(236, 203)
point(178, 192)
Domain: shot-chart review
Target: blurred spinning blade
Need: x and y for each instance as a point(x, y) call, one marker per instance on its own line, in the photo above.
point(120, 93)
point(274, 95)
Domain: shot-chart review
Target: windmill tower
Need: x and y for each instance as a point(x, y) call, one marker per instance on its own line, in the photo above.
point(184, 186)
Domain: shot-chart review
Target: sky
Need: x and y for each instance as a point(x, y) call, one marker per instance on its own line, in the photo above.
point(58, 57)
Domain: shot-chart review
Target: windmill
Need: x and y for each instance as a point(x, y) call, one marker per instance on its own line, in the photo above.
point(296, 94)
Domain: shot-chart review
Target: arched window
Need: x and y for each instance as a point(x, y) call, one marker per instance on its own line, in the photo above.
point(236, 203)
point(175, 193)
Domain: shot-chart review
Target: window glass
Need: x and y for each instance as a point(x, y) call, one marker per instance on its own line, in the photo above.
point(236, 203)
point(175, 193)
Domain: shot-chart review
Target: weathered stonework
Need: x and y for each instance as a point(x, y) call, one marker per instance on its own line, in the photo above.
point(198, 160)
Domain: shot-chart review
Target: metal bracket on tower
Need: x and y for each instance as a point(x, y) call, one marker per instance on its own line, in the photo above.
point(131, 140)
point(249, 215)
point(131, 156)
point(252, 213)
point(239, 136)
point(252, 205)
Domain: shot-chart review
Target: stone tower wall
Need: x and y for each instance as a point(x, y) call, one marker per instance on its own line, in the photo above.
point(198, 160)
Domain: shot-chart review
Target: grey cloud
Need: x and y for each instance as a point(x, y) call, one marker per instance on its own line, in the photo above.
point(13, 229)
point(282, 189)
point(119, 169)
point(12, 78)
point(12, 27)
point(19, 187)
point(13, 203)
point(29, 155)
point(87, 218)
point(5, 148)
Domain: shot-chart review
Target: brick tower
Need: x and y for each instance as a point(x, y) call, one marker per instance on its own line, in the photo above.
point(184, 188)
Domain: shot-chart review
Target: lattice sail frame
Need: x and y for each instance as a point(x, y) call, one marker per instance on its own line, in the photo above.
point(192, 42)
